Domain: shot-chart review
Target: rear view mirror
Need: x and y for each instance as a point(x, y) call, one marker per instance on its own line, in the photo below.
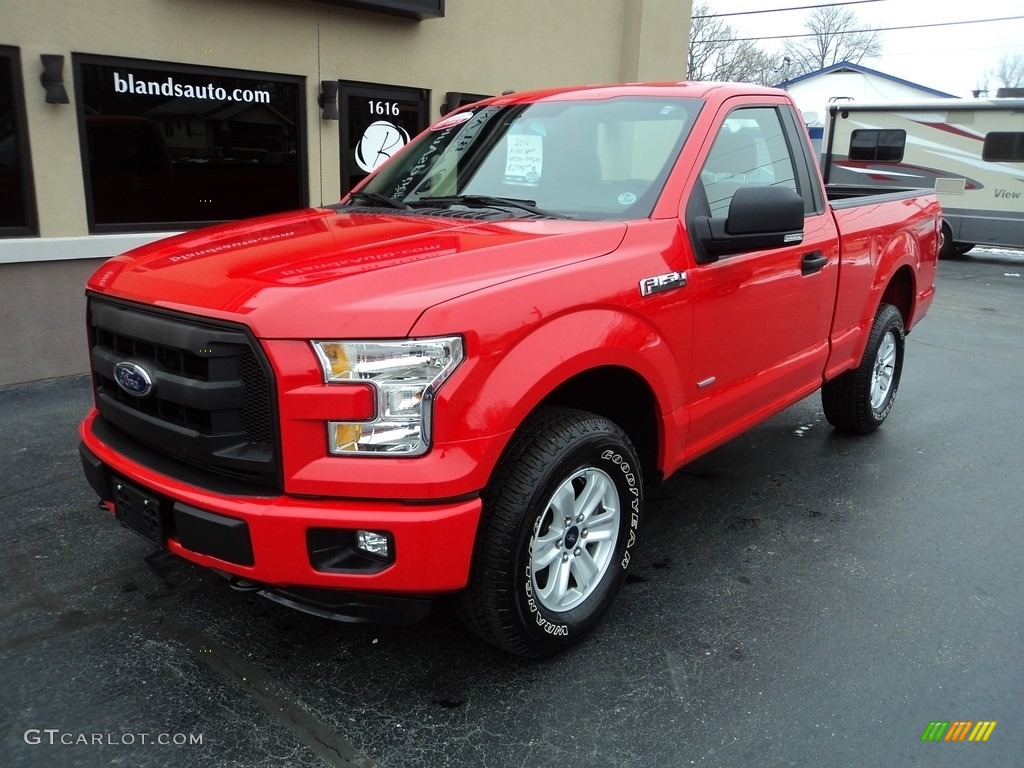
point(760, 217)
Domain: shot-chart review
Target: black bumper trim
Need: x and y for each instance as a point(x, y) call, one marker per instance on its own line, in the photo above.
point(95, 473)
point(199, 531)
point(207, 533)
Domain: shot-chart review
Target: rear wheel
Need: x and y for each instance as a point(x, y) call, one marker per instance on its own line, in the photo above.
point(859, 400)
point(947, 249)
point(560, 517)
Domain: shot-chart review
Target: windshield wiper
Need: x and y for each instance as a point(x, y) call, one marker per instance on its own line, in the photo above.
point(375, 197)
point(486, 201)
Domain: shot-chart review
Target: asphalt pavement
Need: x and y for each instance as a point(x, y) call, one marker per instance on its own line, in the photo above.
point(800, 598)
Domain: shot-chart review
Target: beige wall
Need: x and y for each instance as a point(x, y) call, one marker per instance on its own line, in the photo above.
point(480, 46)
point(42, 319)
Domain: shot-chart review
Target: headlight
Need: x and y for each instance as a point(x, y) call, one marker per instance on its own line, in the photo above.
point(405, 375)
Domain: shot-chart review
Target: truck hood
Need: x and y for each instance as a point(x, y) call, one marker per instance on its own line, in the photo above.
point(319, 273)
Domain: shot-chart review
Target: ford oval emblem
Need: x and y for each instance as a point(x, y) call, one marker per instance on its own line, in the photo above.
point(133, 379)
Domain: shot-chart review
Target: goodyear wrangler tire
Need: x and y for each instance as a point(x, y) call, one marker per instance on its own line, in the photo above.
point(859, 400)
point(559, 520)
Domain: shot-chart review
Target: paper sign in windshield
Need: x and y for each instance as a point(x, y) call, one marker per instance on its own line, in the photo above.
point(525, 160)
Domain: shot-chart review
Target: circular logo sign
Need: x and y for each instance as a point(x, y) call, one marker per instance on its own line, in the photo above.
point(379, 142)
point(133, 379)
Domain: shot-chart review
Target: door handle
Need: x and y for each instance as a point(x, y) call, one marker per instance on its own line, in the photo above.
point(812, 262)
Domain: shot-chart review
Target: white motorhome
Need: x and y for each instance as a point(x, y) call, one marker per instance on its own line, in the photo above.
point(971, 152)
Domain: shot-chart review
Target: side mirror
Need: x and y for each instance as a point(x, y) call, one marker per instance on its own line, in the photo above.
point(760, 217)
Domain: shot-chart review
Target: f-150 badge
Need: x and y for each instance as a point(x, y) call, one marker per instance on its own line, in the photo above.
point(659, 283)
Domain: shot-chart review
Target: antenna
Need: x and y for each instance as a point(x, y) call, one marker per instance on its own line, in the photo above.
point(784, 69)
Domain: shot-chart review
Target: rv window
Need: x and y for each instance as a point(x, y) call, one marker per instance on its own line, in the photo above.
point(1003, 147)
point(877, 146)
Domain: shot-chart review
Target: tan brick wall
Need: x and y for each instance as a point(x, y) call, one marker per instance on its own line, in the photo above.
point(480, 46)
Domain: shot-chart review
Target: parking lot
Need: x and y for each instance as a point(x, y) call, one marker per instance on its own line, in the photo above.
point(801, 598)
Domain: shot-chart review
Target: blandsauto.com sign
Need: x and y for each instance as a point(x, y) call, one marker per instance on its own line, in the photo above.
point(168, 87)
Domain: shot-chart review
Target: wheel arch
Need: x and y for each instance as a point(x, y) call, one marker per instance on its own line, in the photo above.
point(899, 291)
point(602, 360)
point(620, 395)
point(894, 282)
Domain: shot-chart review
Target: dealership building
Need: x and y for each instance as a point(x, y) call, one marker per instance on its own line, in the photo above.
point(122, 121)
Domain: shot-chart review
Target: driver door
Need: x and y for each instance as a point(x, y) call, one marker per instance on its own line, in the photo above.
point(761, 318)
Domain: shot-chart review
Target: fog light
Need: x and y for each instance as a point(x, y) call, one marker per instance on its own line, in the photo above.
point(344, 550)
point(374, 543)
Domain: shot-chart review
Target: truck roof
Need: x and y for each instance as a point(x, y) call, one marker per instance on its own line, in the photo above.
point(682, 89)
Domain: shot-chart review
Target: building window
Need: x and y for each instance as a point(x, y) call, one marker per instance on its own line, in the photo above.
point(168, 146)
point(877, 146)
point(1003, 147)
point(17, 201)
point(376, 121)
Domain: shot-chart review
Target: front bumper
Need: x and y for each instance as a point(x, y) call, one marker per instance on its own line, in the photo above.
point(276, 543)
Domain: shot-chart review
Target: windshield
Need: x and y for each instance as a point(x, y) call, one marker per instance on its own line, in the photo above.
point(597, 159)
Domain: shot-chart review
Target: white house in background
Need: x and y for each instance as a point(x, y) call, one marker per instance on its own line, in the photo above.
point(815, 92)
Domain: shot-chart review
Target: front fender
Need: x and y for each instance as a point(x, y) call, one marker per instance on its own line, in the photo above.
point(495, 393)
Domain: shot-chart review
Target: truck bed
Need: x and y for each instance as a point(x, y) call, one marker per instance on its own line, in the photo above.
point(850, 195)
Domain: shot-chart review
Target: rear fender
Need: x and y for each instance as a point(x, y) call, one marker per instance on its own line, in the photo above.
point(893, 282)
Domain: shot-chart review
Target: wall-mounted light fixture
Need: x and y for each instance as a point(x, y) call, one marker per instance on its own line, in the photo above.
point(52, 78)
point(451, 101)
point(455, 99)
point(328, 100)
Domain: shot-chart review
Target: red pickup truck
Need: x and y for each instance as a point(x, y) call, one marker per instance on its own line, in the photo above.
point(459, 380)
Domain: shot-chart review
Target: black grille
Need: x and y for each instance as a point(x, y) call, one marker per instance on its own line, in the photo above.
point(211, 406)
point(257, 419)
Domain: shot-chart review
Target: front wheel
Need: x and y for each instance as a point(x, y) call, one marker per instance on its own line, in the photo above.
point(559, 520)
point(859, 400)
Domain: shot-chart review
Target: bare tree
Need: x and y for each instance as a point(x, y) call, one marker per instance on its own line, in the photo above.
point(836, 36)
point(1011, 70)
point(716, 55)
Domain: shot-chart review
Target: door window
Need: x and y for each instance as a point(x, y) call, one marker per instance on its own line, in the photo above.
point(750, 149)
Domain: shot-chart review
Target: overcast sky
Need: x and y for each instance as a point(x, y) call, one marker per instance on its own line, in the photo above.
point(953, 59)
